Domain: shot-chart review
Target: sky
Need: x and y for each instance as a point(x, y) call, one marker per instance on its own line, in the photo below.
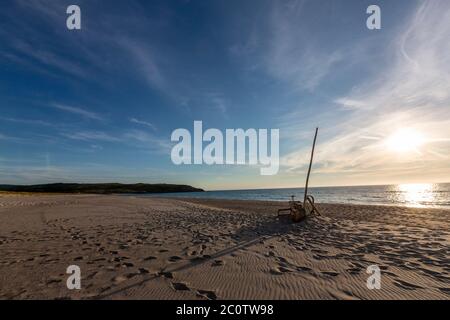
point(99, 104)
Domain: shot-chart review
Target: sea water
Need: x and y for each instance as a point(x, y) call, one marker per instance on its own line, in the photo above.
point(411, 195)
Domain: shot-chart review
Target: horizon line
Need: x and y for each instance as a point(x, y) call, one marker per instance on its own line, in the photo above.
point(218, 190)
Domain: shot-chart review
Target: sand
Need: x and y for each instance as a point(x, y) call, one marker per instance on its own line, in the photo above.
point(156, 248)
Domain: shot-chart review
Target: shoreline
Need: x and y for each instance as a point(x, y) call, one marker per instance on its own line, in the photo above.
point(162, 196)
point(177, 249)
point(447, 208)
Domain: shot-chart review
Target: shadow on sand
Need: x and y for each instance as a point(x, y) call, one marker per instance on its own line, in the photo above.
point(245, 237)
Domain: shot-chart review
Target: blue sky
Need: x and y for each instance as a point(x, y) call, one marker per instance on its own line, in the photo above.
point(99, 104)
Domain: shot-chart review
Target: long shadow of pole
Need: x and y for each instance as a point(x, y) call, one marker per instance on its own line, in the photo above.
point(191, 264)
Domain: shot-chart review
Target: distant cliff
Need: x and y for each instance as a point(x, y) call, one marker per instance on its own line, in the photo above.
point(100, 188)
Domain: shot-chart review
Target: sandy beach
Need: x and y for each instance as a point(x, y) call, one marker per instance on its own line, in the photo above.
point(155, 248)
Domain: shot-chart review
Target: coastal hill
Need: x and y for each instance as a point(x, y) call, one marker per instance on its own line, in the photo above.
point(100, 188)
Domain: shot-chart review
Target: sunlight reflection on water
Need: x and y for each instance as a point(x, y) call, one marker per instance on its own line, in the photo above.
point(414, 194)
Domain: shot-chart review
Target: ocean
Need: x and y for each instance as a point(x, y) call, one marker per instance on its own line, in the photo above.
point(411, 195)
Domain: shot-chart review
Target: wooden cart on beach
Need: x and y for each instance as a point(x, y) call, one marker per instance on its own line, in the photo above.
point(298, 210)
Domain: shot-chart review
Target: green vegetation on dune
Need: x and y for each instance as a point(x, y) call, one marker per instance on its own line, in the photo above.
point(100, 188)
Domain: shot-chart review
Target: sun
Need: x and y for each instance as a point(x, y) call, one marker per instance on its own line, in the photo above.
point(405, 140)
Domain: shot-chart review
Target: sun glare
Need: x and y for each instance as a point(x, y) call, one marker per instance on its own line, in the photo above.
point(405, 140)
point(415, 194)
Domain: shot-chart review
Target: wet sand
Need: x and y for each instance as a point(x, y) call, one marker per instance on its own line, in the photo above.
point(156, 248)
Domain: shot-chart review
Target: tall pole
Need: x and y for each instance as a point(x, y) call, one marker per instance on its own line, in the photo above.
point(310, 165)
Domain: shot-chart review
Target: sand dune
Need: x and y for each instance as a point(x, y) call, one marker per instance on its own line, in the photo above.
point(136, 248)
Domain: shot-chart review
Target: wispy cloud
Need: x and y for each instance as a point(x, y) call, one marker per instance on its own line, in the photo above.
point(147, 64)
point(78, 111)
point(282, 45)
point(148, 141)
point(8, 138)
point(92, 136)
point(347, 103)
point(218, 101)
point(138, 139)
point(48, 58)
point(41, 172)
point(100, 52)
point(27, 121)
point(413, 92)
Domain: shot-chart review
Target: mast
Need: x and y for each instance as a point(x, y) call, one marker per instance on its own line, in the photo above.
point(310, 165)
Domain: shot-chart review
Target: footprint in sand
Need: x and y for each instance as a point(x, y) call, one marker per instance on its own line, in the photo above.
point(354, 271)
point(200, 259)
point(143, 270)
point(330, 273)
point(276, 271)
point(285, 269)
point(119, 279)
point(175, 258)
point(390, 274)
point(406, 285)
point(210, 295)
point(128, 264)
point(180, 286)
point(445, 290)
point(92, 275)
point(434, 274)
point(280, 270)
point(217, 263)
point(99, 259)
point(304, 269)
point(53, 280)
point(167, 275)
point(149, 258)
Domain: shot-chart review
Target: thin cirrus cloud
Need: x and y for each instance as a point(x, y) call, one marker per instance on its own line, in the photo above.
point(78, 111)
point(100, 53)
point(96, 49)
point(27, 121)
point(143, 123)
point(135, 138)
point(48, 58)
point(8, 138)
point(283, 48)
point(412, 92)
point(147, 141)
point(347, 103)
point(92, 136)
